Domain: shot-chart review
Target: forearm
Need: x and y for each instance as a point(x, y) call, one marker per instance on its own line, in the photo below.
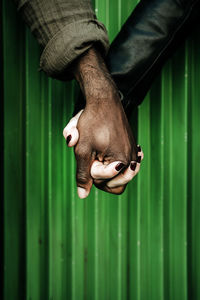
point(95, 81)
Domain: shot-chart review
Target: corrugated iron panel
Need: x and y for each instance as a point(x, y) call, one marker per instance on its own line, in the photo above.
point(144, 244)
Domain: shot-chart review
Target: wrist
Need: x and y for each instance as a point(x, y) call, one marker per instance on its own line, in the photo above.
point(94, 79)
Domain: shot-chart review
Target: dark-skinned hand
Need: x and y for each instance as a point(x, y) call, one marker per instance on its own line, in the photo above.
point(106, 152)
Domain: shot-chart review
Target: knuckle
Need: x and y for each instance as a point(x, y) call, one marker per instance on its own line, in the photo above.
point(119, 190)
point(113, 173)
point(126, 157)
point(99, 182)
point(81, 151)
point(122, 158)
point(127, 161)
point(82, 178)
point(128, 153)
point(127, 177)
point(94, 173)
point(78, 152)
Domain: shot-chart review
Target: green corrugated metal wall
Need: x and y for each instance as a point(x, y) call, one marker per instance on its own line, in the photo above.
point(142, 245)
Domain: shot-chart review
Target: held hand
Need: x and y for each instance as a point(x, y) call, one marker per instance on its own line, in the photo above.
point(105, 176)
point(104, 131)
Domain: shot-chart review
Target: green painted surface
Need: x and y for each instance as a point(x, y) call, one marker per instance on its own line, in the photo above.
point(142, 245)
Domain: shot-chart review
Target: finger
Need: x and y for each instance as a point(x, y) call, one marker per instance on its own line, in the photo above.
point(72, 123)
point(72, 136)
point(125, 177)
point(70, 132)
point(102, 171)
point(83, 178)
point(118, 184)
point(117, 190)
point(140, 152)
point(139, 157)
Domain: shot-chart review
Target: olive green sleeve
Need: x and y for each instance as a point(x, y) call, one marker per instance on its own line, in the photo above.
point(65, 29)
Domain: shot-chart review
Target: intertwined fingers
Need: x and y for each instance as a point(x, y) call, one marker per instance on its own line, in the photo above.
point(128, 174)
point(101, 171)
point(112, 177)
point(118, 184)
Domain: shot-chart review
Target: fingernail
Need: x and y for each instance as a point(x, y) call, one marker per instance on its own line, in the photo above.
point(139, 159)
point(133, 166)
point(82, 193)
point(119, 166)
point(139, 148)
point(68, 139)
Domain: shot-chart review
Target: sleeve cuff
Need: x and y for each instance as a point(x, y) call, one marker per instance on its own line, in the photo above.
point(69, 43)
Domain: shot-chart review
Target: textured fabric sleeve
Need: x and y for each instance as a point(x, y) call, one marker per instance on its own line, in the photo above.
point(65, 29)
point(147, 39)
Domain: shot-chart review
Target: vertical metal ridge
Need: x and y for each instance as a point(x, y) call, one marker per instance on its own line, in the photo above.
point(43, 193)
point(166, 119)
point(119, 246)
point(96, 246)
point(34, 174)
point(187, 97)
point(26, 180)
point(189, 170)
point(138, 239)
point(162, 292)
point(144, 186)
point(73, 232)
point(179, 183)
point(13, 151)
point(49, 202)
point(2, 164)
point(193, 169)
point(65, 231)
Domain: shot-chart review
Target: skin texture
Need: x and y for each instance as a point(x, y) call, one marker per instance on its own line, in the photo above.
point(104, 131)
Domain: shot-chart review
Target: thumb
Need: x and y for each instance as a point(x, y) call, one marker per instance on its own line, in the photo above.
point(83, 178)
point(70, 132)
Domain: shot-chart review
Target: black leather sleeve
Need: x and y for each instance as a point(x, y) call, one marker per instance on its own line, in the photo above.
point(150, 35)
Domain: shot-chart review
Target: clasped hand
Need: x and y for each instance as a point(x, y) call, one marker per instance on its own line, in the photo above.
point(105, 150)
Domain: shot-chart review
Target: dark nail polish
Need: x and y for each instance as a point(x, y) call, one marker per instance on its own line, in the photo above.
point(139, 148)
point(119, 166)
point(139, 159)
point(68, 139)
point(133, 166)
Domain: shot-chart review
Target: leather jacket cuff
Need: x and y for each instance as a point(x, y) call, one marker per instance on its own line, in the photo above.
point(150, 35)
